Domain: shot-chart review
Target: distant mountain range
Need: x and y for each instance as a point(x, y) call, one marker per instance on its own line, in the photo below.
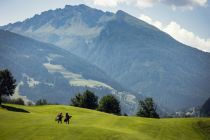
point(44, 71)
point(137, 55)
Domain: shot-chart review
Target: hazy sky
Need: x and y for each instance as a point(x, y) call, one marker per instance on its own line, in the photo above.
point(186, 20)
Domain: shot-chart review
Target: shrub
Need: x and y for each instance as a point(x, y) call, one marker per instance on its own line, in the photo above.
point(109, 104)
point(41, 102)
point(18, 101)
point(86, 100)
point(147, 108)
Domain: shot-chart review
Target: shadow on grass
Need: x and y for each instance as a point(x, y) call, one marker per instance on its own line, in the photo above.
point(15, 109)
point(205, 128)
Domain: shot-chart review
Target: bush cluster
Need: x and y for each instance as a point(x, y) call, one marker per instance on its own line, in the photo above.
point(88, 99)
point(18, 101)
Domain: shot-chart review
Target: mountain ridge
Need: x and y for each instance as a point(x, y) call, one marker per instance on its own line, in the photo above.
point(137, 55)
point(45, 71)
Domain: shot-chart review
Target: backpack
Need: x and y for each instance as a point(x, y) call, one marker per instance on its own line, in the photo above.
point(57, 118)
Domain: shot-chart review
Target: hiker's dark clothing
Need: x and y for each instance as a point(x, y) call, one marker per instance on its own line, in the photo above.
point(67, 118)
point(59, 118)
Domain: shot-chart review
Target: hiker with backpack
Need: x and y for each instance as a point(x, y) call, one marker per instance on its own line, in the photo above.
point(59, 118)
point(67, 118)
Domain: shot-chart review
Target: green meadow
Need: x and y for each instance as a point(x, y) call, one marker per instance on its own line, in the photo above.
point(38, 123)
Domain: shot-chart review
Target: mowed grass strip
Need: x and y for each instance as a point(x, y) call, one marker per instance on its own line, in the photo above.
point(87, 124)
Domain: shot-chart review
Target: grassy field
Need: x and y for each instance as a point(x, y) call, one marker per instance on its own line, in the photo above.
point(39, 123)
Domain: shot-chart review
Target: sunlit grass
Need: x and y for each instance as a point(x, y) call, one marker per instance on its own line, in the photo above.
point(40, 123)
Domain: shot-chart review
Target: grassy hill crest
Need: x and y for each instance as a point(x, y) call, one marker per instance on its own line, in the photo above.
point(38, 122)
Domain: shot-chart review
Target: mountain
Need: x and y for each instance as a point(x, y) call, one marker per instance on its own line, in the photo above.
point(137, 55)
point(205, 109)
point(45, 71)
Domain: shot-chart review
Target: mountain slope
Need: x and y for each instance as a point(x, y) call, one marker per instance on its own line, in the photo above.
point(134, 53)
point(46, 71)
point(152, 63)
point(205, 109)
point(90, 125)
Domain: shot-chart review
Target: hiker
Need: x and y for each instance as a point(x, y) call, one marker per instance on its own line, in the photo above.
point(59, 118)
point(67, 118)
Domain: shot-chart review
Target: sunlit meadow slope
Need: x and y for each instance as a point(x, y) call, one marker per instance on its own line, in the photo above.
point(37, 122)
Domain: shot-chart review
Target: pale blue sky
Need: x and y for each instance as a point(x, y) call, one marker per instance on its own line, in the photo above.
point(191, 15)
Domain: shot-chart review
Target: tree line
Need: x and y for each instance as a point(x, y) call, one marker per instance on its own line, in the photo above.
point(87, 99)
point(110, 104)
